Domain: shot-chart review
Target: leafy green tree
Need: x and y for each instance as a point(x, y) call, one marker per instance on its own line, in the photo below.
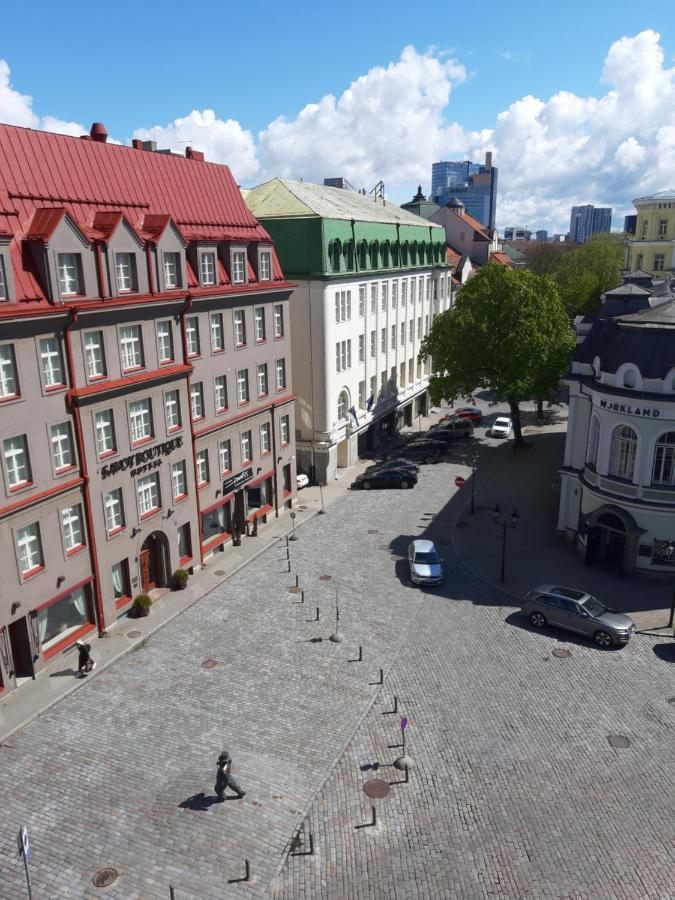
point(508, 332)
point(587, 271)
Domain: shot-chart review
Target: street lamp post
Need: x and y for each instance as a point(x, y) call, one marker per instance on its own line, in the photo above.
point(505, 522)
point(474, 470)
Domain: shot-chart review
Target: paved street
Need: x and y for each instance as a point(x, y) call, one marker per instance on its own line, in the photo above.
point(516, 790)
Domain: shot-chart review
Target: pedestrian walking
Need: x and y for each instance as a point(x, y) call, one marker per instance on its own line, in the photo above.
point(85, 663)
point(224, 777)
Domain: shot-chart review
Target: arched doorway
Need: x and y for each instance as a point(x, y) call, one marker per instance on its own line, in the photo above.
point(154, 562)
point(612, 539)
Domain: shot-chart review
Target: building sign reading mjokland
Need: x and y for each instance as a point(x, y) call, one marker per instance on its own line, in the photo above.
point(630, 410)
point(144, 460)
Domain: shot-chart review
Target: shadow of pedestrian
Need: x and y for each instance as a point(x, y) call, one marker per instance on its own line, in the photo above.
point(62, 672)
point(666, 652)
point(198, 802)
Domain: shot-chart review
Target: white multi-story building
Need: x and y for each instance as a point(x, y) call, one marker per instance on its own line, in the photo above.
point(370, 279)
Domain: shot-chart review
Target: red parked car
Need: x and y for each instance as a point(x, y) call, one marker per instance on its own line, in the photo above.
point(470, 412)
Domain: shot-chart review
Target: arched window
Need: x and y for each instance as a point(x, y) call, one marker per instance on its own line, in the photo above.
point(413, 253)
point(395, 253)
point(404, 253)
point(669, 382)
point(385, 254)
point(349, 254)
point(593, 442)
point(629, 377)
point(343, 405)
point(363, 256)
point(664, 459)
point(374, 255)
point(334, 252)
point(624, 451)
point(596, 367)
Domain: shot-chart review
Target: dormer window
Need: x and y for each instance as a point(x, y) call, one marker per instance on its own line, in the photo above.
point(70, 274)
point(265, 266)
point(238, 266)
point(3, 281)
point(172, 274)
point(125, 267)
point(207, 268)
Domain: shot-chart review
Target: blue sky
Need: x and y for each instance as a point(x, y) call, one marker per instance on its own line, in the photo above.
point(139, 65)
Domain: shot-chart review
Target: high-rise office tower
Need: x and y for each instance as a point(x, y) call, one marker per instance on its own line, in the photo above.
point(588, 220)
point(474, 184)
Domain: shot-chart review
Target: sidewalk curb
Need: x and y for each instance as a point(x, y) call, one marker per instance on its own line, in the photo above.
point(102, 666)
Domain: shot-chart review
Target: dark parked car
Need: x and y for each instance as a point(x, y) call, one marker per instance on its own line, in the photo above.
point(470, 412)
point(578, 611)
point(454, 424)
point(395, 463)
point(442, 435)
point(385, 478)
point(421, 452)
point(429, 440)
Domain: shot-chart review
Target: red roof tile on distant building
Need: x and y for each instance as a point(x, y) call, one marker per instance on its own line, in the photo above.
point(452, 257)
point(501, 258)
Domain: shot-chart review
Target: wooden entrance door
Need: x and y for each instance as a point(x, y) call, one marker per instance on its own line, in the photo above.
point(148, 563)
point(21, 649)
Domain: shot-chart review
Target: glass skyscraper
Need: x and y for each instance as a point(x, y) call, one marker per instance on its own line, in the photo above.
point(473, 184)
point(588, 220)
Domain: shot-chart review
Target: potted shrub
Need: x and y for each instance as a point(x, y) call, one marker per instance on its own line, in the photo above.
point(180, 580)
point(141, 605)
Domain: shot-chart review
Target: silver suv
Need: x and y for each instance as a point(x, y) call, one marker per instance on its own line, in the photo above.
point(577, 611)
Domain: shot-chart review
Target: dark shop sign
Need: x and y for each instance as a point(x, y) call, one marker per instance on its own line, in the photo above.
point(235, 481)
point(144, 460)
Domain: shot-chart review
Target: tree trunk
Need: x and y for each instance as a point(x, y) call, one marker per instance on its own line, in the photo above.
point(515, 418)
point(540, 408)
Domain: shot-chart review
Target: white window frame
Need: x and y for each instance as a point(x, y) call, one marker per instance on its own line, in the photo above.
point(207, 268)
point(172, 411)
point(4, 295)
point(104, 426)
point(239, 320)
point(246, 447)
point(51, 363)
point(238, 266)
point(243, 393)
point(94, 355)
point(16, 460)
point(164, 337)
point(69, 274)
point(362, 348)
point(265, 265)
point(217, 332)
point(197, 400)
point(125, 272)
point(373, 343)
point(362, 301)
point(179, 480)
point(140, 421)
point(285, 430)
point(280, 373)
point(259, 324)
point(9, 376)
point(172, 271)
point(262, 380)
point(225, 456)
point(113, 511)
point(265, 438)
point(72, 527)
point(147, 495)
point(61, 442)
point(192, 336)
point(28, 541)
point(202, 467)
point(278, 320)
point(623, 454)
point(131, 348)
point(220, 393)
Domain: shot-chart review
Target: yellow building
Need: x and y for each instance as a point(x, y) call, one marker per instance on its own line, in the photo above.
point(652, 249)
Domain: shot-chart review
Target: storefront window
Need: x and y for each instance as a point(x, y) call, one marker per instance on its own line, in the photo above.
point(260, 495)
point(214, 522)
point(64, 617)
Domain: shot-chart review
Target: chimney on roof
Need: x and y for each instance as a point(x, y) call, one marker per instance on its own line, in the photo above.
point(137, 144)
point(149, 145)
point(98, 132)
point(194, 154)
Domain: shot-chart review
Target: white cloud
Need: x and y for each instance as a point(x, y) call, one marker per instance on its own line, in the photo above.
point(221, 140)
point(392, 122)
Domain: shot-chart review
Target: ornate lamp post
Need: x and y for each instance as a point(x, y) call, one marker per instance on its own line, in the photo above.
point(505, 522)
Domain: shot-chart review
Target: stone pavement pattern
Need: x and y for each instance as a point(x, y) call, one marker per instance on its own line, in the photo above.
point(99, 778)
point(516, 791)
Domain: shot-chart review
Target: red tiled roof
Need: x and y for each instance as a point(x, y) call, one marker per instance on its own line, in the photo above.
point(96, 183)
point(474, 223)
point(502, 258)
point(452, 256)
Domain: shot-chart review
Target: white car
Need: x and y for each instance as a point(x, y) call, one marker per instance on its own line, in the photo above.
point(501, 427)
point(301, 480)
point(425, 564)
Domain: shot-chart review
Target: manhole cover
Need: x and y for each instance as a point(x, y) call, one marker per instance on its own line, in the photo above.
point(133, 634)
point(376, 788)
point(373, 531)
point(671, 700)
point(618, 740)
point(209, 664)
point(219, 572)
point(561, 653)
point(325, 577)
point(294, 590)
point(104, 877)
